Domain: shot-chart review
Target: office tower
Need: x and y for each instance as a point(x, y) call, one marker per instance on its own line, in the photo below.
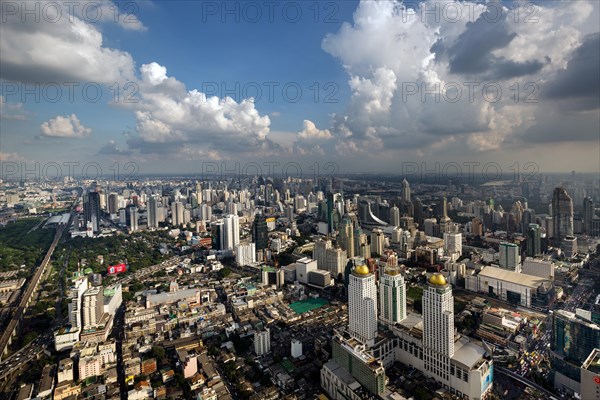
point(177, 213)
point(333, 211)
point(76, 291)
point(260, 232)
point(509, 256)
point(91, 210)
point(588, 216)
point(453, 244)
point(395, 216)
point(231, 225)
point(562, 215)
point(377, 242)
point(347, 236)
point(205, 212)
point(392, 296)
point(405, 190)
point(113, 203)
point(574, 337)
point(133, 219)
point(534, 241)
point(217, 231)
point(362, 305)
point(438, 326)
point(153, 212)
point(445, 221)
point(262, 342)
point(93, 306)
point(122, 216)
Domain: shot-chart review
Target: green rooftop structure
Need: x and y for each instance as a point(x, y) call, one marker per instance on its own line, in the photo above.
point(309, 304)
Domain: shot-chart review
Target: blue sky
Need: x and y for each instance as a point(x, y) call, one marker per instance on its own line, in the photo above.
point(361, 59)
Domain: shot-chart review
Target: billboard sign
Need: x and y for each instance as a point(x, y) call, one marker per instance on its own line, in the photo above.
point(117, 269)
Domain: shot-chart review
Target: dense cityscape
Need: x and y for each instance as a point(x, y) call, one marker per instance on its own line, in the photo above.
point(280, 287)
point(300, 200)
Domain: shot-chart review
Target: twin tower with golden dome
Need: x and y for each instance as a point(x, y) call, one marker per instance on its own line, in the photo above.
point(436, 279)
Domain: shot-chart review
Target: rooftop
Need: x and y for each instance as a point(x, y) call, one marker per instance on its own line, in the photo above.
point(592, 363)
point(468, 352)
point(514, 277)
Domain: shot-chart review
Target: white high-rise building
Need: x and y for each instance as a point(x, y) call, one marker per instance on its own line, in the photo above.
point(262, 342)
point(133, 219)
point(438, 326)
point(392, 296)
point(245, 254)
point(93, 306)
point(80, 285)
point(509, 256)
point(362, 305)
point(453, 244)
point(231, 232)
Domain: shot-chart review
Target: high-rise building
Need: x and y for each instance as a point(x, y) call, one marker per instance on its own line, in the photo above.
point(377, 241)
point(395, 216)
point(91, 210)
point(177, 213)
point(262, 342)
point(405, 190)
point(453, 244)
point(320, 252)
point(347, 236)
point(438, 326)
point(509, 256)
point(260, 232)
point(217, 230)
point(534, 241)
point(588, 216)
point(80, 285)
point(133, 219)
point(392, 296)
point(574, 337)
point(93, 306)
point(245, 254)
point(113, 204)
point(362, 305)
point(445, 222)
point(231, 225)
point(562, 215)
point(153, 212)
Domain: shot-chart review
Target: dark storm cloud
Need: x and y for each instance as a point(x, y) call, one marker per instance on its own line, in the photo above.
point(471, 52)
point(580, 81)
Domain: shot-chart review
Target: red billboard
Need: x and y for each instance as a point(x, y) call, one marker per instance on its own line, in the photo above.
point(117, 269)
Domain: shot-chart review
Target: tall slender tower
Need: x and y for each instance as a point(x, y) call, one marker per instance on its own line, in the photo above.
point(438, 325)
point(347, 236)
point(562, 214)
point(395, 216)
point(153, 212)
point(405, 190)
point(392, 296)
point(362, 305)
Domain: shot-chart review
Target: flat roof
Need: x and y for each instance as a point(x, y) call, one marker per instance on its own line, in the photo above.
point(342, 374)
point(467, 352)
point(592, 363)
point(513, 277)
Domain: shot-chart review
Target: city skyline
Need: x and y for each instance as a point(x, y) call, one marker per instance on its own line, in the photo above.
point(351, 83)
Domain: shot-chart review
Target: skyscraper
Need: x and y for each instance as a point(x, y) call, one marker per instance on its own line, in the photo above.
point(347, 236)
point(438, 325)
point(588, 215)
point(113, 204)
point(260, 232)
point(534, 241)
point(93, 306)
point(405, 190)
point(445, 221)
point(395, 216)
point(133, 219)
point(562, 215)
point(231, 225)
point(377, 241)
point(153, 212)
point(177, 213)
point(392, 296)
point(91, 210)
point(509, 256)
point(362, 305)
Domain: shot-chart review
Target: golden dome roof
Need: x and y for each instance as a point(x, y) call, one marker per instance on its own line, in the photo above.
point(437, 279)
point(362, 270)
